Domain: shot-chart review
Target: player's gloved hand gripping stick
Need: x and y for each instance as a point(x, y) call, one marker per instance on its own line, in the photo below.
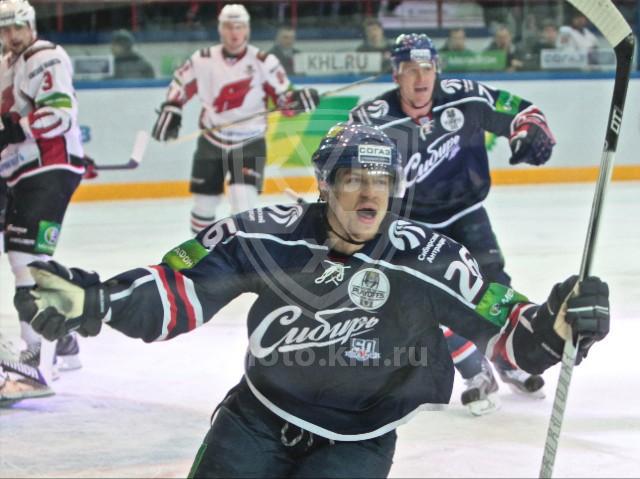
point(604, 15)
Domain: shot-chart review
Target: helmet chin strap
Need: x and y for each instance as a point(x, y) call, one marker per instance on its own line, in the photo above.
point(348, 238)
point(413, 105)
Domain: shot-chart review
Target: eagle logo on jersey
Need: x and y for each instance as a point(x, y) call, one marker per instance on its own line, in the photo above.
point(333, 274)
point(369, 288)
point(452, 119)
point(404, 235)
point(285, 216)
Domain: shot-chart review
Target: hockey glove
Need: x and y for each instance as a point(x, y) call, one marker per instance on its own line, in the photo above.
point(168, 123)
point(582, 309)
point(10, 130)
point(298, 101)
point(67, 300)
point(531, 140)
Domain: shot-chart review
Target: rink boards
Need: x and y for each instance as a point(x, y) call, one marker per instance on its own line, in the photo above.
point(576, 109)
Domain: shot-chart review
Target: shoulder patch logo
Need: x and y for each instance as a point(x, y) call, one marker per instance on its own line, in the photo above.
point(452, 119)
point(378, 109)
point(369, 288)
point(404, 235)
point(285, 216)
point(451, 86)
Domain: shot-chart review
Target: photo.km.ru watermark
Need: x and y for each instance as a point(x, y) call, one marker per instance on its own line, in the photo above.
point(360, 353)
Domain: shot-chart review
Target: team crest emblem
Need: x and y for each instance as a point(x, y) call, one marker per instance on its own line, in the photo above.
point(378, 109)
point(285, 216)
point(404, 235)
point(452, 119)
point(369, 288)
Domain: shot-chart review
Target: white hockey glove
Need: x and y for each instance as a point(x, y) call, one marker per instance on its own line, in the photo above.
point(10, 130)
point(67, 300)
point(582, 309)
point(298, 101)
point(168, 124)
point(531, 140)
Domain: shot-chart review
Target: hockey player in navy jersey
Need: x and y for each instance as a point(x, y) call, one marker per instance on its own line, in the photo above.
point(439, 126)
point(344, 335)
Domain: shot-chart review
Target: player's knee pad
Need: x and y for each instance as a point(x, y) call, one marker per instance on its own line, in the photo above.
point(242, 197)
point(203, 212)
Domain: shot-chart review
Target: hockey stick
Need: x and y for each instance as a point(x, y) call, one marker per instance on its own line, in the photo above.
point(137, 154)
point(195, 134)
point(604, 15)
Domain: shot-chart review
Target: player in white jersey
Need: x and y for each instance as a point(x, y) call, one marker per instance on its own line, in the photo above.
point(233, 81)
point(41, 162)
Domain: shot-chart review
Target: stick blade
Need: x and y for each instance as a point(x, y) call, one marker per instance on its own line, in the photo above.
point(139, 146)
point(606, 17)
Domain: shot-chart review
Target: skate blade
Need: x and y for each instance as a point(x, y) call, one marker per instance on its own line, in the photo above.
point(484, 406)
point(68, 363)
point(539, 394)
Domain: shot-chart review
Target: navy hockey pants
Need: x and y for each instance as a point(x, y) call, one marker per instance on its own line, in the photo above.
point(248, 440)
point(475, 233)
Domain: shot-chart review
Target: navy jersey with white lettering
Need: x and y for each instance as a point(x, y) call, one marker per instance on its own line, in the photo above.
point(347, 347)
point(444, 156)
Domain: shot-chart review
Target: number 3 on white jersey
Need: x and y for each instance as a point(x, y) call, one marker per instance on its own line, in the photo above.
point(470, 278)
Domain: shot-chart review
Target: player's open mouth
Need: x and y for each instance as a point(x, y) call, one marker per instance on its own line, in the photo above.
point(368, 215)
point(421, 89)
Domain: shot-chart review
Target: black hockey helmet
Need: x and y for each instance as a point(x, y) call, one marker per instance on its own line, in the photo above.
point(354, 145)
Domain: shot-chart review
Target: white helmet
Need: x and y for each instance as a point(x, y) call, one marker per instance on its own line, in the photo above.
point(234, 13)
point(17, 12)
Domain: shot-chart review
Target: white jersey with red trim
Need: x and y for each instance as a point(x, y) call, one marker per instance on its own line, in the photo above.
point(37, 85)
point(229, 88)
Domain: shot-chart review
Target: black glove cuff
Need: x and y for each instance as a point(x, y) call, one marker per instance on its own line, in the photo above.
point(12, 131)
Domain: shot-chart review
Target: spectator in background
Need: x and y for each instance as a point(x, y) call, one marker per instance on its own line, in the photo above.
point(127, 62)
point(502, 41)
point(456, 42)
point(547, 39)
point(283, 48)
point(577, 36)
point(374, 41)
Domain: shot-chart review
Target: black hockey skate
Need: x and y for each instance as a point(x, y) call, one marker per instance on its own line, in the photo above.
point(68, 353)
point(480, 395)
point(522, 382)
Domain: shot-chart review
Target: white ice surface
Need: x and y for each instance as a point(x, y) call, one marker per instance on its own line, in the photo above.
point(137, 410)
